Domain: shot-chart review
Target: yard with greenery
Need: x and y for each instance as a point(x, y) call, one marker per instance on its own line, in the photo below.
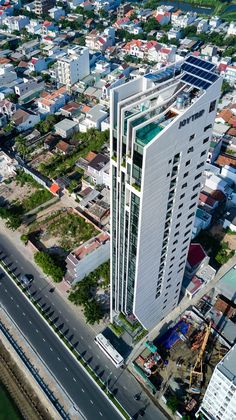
point(25, 199)
point(217, 249)
point(71, 230)
point(49, 265)
point(82, 294)
point(61, 165)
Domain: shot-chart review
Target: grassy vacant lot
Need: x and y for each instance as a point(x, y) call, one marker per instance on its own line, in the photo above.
point(70, 230)
point(84, 142)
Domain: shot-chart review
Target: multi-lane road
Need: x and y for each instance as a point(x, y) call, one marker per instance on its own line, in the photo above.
point(120, 381)
point(90, 400)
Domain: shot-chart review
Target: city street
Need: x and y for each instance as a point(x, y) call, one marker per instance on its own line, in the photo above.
point(68, 372)
point(82, 336)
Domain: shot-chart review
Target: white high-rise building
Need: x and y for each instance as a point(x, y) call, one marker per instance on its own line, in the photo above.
point(219, 402)
point(161, 126)
point(74, 66)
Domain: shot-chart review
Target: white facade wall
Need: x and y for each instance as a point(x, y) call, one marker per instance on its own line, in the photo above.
point(73, 67)
point(219, 401)
point(176, 153)
point(91, 262)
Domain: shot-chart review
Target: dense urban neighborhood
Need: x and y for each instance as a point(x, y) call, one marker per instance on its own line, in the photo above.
point(118, 208)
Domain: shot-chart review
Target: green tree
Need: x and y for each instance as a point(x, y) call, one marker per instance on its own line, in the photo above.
point(151, 25)
point(226, 88)
point(173, 403)
point(92, 312)
point(24, 238)
point(49, 265)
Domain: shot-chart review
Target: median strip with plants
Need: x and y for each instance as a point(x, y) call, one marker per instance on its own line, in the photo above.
point(70, 346)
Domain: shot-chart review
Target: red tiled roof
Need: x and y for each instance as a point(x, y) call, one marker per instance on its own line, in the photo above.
point(196, 254)
point(226, 160)
point(206, 199)
point(222, 67)
point(90, 156)
point(225, 114)
point(54, 188)
point(63, 146)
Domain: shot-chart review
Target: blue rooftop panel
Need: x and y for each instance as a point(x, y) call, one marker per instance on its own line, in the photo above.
point(196, 71)
point(200, 63)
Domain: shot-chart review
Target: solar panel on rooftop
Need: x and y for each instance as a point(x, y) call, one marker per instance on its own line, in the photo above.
point(200, 63)
point(199, 72)
point(195, 81)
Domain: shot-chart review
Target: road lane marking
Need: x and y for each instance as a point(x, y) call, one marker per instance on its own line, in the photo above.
point(23, 313)
point(51, 349)
point(91, 401)
point(17, 305)
point(66, 369)
point(98, 356)
point(82, 389)
point(90, 347)
point(5, 290)
point(125, 388)
point(46, 296)
point(100, 413)
point(58, 358)
point(37, 331)
point(30, 322)
point(12, 298)
point(59, 312)
point(74, 379)
point(82, 337)
point(53, 304)
point(73, 327)
point(44, 339)
point(106, 366)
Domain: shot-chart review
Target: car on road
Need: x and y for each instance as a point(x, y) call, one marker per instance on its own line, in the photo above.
point(26, 279)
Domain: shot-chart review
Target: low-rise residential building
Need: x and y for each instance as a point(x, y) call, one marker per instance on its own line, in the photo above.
point(232, 29)
point(201, 222)
point(87, 258)
point(230, 74)
point(64, 148)
point(230, 220)
point(16, 23)
point(93, 118)
point(7, 108)
point(49, 103)
point(203, 26)
point(27, 86)
point(37, 64)
point(43, 6)
point(97, 41)
point(7, 74)
point(214, 22)
point(98, 170)
point(74, 66)
point(66, 128)
point(56, 13)
point(219, 401)
point(24, 120)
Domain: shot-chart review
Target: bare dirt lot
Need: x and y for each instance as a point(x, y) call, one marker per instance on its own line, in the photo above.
point(14, 192)
point(42, 158)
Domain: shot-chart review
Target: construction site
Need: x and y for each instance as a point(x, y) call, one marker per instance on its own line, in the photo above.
point(178, 364)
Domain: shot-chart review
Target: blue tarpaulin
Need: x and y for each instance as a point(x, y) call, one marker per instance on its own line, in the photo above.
point(172, 334)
